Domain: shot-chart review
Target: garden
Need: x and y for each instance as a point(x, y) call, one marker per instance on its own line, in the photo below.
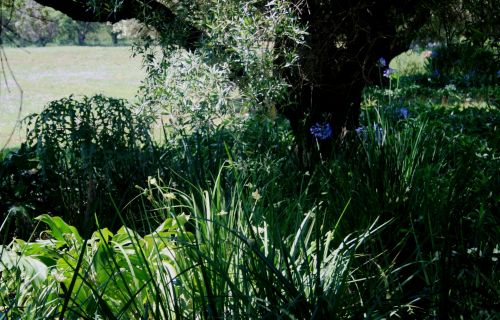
point(215, 194)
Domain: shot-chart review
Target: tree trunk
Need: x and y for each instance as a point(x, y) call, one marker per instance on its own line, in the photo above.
point(333, 104)
point(114, 38)
point(81, 38)
point(344, 44)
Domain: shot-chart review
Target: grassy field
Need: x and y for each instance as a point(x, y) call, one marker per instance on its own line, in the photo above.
point(46, 74)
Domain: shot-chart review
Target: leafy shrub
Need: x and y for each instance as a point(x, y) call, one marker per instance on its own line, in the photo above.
point(79, 158)
point(464, 65)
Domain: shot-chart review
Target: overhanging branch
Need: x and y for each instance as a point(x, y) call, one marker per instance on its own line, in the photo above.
point(105, 11)
point(109, 11)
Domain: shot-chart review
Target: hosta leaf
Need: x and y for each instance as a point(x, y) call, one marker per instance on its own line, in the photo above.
point(32, 269)
point(103, 235)
point(165, 226)
point(60, 230)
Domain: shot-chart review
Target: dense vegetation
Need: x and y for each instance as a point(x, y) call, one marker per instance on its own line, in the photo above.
point(225, 216)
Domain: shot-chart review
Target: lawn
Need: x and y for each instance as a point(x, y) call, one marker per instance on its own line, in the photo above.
point(46, 74)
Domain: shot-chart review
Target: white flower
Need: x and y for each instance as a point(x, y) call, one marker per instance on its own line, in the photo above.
point(170, 196)
point(256, 195)
point(152, 181)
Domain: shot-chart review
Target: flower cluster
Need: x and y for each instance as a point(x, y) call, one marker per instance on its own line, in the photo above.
point(321, 131)
point(382, 64)
point(388, 72)
point(378, 133)
point(403, 113)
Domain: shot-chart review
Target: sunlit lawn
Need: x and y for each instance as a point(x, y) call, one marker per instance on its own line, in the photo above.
point(46, 74)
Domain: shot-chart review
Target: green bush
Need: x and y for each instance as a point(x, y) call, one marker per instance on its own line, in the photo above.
point(80, 157)
point(464, 65)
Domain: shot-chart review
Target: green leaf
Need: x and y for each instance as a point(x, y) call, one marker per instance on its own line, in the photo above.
point(60, 230)
point(31, 268)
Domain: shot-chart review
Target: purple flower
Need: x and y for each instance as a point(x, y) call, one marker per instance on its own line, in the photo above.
point(389, 71)
point(381, 62)
point(360, 130)
point(321, 131)
point(365, 133)
point(403, 113)
point(498, 73)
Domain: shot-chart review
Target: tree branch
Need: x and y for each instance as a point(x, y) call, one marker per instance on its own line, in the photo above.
point(108, 11)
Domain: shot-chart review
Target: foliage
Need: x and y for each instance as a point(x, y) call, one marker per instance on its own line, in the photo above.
point(234, 69)
point(31, 22)
point(78, 156)
point(475, 21)
point(464, 65)
point(265, 237)
point(230, 265)
point(76, 31)
point(112, 275)
point(427, 175)
point(398, 219)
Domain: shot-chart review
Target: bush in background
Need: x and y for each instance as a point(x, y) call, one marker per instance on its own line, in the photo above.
point(464, 65)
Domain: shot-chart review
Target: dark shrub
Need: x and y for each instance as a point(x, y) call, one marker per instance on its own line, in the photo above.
point(464, 65)
point(80, 158)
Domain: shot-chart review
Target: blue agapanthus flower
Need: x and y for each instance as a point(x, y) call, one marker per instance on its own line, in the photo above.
point(321, 131)
point(389, 71)
point(365, 133)
point(381, 62)
point(360, 129)
point(403, 113)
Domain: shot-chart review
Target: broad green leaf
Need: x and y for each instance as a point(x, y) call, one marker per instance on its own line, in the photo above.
point(32, 269)
point(59, 229)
